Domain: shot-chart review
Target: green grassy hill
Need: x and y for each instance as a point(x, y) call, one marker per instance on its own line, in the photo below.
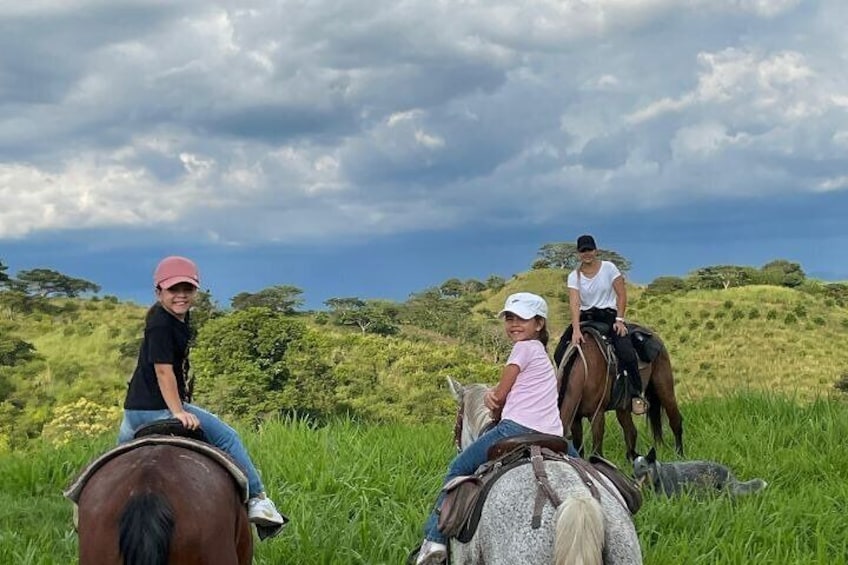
point(754, 337)
point(758, 338)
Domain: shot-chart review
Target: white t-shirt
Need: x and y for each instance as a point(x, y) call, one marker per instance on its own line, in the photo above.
point(597, 291)
point(532, 401)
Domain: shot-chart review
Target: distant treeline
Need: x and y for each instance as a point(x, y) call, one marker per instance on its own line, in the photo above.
point(65, 359)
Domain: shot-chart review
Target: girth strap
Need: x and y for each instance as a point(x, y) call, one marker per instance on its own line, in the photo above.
point(544, 490)
point(590, 476)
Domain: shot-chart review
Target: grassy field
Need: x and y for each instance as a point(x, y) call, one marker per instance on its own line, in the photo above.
point(359, 494)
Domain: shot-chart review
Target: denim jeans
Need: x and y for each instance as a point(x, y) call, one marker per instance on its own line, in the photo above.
point(219, 434)
point(467, 461)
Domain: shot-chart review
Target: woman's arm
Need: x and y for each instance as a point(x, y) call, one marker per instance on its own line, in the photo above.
point(620, 304)
point(574, 308)
point(620, 296)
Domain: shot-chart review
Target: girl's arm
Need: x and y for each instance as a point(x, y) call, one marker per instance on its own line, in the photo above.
point(496, 396)
point(168, 387)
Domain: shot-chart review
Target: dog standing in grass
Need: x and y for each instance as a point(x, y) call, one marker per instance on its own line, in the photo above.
point(676, 477)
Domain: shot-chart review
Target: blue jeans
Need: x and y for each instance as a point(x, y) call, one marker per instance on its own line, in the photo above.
point(217, 432)
point(466, 462)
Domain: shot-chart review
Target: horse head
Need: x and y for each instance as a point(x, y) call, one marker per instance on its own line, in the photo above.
point(472, 416)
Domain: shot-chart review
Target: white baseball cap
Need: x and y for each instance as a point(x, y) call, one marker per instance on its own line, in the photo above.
point(525, 305)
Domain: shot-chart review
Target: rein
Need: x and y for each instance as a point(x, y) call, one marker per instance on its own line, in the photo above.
point(561, 369)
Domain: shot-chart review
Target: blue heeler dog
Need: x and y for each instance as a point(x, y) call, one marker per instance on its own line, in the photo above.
point(676, 477)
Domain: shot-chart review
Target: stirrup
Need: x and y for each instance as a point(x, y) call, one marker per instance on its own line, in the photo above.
point(638, 405)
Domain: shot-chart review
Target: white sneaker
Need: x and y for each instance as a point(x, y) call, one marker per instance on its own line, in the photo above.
point(432, 553)
point(263, 512)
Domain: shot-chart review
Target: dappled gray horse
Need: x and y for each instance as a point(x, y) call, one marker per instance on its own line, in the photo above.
point(581, 531)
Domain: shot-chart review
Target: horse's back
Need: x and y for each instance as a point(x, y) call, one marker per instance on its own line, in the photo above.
point(505, 536)
point(201, 494)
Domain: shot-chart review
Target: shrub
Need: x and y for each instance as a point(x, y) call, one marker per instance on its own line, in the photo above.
point(82, 418)
point(728, 304)
point(710, 325)
point(753, 314)
point(790, 319)
point(771, 314)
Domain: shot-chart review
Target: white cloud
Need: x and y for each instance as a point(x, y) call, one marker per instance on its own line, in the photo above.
point(350, 119)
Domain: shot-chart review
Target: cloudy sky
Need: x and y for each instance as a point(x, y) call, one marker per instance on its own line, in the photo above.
point(377, 148)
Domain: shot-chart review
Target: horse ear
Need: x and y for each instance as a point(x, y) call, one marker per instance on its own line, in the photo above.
point(456, 388)
point(652, 455)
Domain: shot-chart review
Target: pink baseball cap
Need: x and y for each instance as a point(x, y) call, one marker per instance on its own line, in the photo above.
point(175, 270)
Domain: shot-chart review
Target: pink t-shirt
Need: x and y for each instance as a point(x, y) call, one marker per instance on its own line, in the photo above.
point(532, 401)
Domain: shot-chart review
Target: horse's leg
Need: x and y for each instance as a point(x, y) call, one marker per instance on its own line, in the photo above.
point(577, 435)
point(568, 411)
point(598, 426)
point(662, 388)
point(626, 421)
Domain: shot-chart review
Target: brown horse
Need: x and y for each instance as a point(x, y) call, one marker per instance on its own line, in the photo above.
point(589, 389)
point(160, 504)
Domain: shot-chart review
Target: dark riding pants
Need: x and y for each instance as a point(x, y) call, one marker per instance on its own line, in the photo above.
point(628, 362)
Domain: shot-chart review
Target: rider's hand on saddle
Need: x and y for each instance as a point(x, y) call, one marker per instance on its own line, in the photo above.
point(620, 328)
point(577, 337)
point(188, 420)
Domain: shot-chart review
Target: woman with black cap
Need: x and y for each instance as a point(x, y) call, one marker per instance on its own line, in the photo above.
point(596, 291)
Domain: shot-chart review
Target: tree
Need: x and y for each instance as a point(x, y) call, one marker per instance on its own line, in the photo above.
point(723, 276)
point(204, 309)
point(239, 361)
point(665, 285)
point(563, 255)
point(281, 298)
point(14, 350)
point(47, 282)
point(4, 278)
point(370, 316)
point(452, 288)
point(494, 282)
point(781, 272)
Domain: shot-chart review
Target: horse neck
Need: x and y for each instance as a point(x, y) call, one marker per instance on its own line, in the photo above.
point(476, 416)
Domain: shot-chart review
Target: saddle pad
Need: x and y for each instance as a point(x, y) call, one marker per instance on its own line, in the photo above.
point(76, 487)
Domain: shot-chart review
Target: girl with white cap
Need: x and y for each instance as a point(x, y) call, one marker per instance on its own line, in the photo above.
point(526, 396)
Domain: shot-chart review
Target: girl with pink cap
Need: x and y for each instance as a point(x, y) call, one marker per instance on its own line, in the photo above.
point(157, 389)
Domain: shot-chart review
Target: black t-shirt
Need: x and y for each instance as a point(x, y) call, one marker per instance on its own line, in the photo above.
point(166, 340)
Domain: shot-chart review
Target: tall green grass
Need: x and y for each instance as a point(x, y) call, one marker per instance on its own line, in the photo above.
point(359, 494)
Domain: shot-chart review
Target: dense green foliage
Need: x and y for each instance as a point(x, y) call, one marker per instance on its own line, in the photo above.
point(256, 363)
point(380, 361)
point(359, 494)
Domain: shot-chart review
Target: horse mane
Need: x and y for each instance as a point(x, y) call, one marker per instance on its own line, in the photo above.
point(476, 416)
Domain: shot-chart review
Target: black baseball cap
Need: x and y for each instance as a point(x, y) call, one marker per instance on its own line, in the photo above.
point(586, 243)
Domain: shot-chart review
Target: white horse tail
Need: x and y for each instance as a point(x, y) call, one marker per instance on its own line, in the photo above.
point(579, 537)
